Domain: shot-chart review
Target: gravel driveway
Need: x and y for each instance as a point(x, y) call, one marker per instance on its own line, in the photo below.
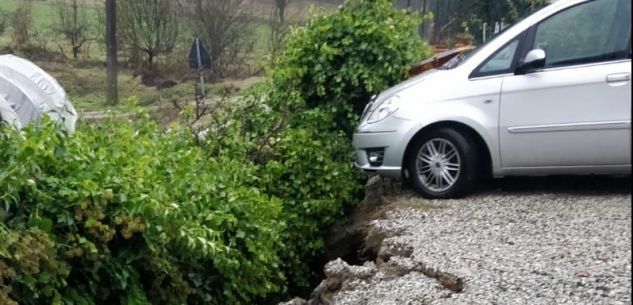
point(563, 240)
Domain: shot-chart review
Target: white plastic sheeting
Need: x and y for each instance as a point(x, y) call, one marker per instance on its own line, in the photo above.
point(7, 114)
point(31, 92)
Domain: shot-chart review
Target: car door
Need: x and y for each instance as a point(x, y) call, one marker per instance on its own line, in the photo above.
point(576, 111)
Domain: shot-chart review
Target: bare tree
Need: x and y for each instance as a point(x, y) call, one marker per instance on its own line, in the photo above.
point(201, 116)
point(73, 24)
point(22, 23)
point(278, 27)
point(281, 9)
point(4, 17)
point(227, 31)
point(149, 26)
point(111, 53)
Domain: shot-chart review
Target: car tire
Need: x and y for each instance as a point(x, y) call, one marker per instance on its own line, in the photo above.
point(443, 164)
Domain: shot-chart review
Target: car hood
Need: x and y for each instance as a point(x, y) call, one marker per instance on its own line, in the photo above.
point(406, 84)
point(428, 87)
point(408, 87)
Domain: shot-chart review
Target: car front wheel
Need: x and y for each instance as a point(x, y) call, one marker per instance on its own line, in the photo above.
point(443, 164)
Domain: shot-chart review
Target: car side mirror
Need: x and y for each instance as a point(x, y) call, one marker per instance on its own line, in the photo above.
point(534, 60)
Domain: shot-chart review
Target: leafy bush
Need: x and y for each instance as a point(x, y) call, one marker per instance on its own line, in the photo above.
point(327, 73)
point(127, 214)
point(130, 215)
point(296, 126)
point(307, 167)
point(338, 62)
point(311, 170)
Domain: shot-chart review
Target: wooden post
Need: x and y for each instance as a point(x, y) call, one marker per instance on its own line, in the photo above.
point(112, 81)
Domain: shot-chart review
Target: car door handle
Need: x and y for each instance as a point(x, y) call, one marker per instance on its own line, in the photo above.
point(618, 77)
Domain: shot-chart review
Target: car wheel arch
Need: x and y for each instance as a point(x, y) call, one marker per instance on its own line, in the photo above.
point(462, 128)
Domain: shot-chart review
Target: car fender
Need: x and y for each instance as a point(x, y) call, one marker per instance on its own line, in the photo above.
point(466, 113)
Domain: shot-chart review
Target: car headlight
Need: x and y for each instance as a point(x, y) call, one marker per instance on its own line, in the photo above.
point(384, 109)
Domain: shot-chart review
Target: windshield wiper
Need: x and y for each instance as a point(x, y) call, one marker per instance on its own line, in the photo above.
point(452, 63)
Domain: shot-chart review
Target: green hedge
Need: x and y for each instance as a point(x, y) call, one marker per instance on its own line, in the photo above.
point(124, 214)
point(296, 127)
point(337, 62)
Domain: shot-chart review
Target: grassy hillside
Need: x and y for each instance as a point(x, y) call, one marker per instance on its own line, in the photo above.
point(84, 79)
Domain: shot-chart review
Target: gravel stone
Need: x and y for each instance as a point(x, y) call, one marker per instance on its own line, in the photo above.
point(569, 244)
point(339, 268)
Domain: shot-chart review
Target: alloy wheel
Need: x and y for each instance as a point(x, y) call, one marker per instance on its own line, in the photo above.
point(438, 165)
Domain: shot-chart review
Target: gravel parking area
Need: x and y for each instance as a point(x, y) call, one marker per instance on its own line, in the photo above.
point(560, 240)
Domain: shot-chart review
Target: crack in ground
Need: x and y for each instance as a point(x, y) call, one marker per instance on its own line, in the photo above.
point(358, 251)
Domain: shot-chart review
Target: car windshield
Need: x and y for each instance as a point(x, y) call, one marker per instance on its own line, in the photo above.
point(459, 59)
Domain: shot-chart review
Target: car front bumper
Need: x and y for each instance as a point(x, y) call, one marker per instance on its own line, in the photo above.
point(389, 145)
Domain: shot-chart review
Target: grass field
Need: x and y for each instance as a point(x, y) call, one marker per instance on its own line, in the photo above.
point(43, 11)
point(84, 79)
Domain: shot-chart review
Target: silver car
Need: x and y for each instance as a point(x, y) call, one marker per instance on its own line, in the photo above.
point(550, 95)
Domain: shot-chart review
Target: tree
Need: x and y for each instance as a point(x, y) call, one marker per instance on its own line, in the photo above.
point(111, 53)
point(73, 24)
point(281, 9)
point(278, 27)
point(149, 26)
point(226, 29)
point(508, 12)
point(452, 17)
point(22, 23)
point(3, 21)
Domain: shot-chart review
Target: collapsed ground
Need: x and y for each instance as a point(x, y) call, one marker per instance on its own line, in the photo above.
point(521, 241)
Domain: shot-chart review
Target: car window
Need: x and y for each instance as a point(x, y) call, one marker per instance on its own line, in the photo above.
point(458, 60)
point(502, 60)
point(590, 32)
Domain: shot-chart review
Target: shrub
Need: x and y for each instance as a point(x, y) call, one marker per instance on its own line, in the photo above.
point(124, 213)
point(338, 62)
point(130, 215)
point(311, 170)
point(306, 166)
point(296, 126)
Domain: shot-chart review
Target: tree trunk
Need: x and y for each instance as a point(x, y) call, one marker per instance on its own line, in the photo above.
point(75, 39)
point(282, 15)
point(281, 7)
point(111, 56)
